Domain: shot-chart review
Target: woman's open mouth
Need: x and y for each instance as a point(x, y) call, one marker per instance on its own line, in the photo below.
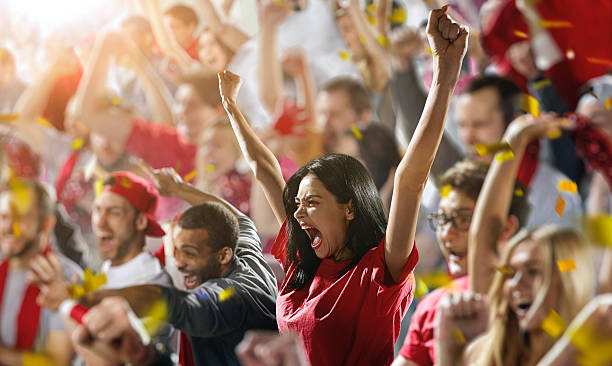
point(315, 236)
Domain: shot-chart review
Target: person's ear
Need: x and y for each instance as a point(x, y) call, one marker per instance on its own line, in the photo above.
point(141, 222)
point(349, 213)
point(510, 228)
point(225, 255)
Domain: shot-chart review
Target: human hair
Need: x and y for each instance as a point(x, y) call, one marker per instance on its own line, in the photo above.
point(508, 92)
point(357, 93)
point(217, 220)
point(504, 342)
point(349, 181)
point(378, 150)
point(182, 12)
point(468, 176)
point(205, 84)
point(139, 22)
point(45, 196)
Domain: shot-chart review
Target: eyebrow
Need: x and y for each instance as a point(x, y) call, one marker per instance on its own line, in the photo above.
point(192, 246)
point(309, 196)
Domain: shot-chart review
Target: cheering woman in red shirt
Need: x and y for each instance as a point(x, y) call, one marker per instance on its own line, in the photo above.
point(349, 273)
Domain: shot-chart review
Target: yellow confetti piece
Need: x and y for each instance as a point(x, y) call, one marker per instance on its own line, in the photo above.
point(428, 50)
point(555, 24)
point(91, 282)
point(382, 40)
point(155, 317)
point(398, 16)
point(344, 55)
point(22, 195)
point(279, 2)
point(566, 265)
point(504, 156)
point(519, 192)
point(598, 229)
point(371, 19)
point(608, 103)
point(177, 166)
point(77, 144)
point(356, 132)
point(99, 185)
point(491, 148)
point(542, 83)
point(8, 117)
point(436, 279)
point(459, 337)
point(570, 54)
point(421, 289)
point(16, 229)
point(520, 34)
point(44, 122)
point(530, 105)
point(362, 38)
point(504, 270)
point(445, 190)
point(371, 8)
point(554, 134)
point(560, 206)
point(1, 54)
point(226, 294)
point(126, 182)
point(35, 359)
point(115, 101)
point(553, 325)
point(190, 175)
point(599, 61)
point(567, 186)
point(210, 168)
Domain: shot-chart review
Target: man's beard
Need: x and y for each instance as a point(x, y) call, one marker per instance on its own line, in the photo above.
point(26, 248)
point(124, 246)
point(212, 270)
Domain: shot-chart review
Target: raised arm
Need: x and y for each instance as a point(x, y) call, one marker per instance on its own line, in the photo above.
point(262, 161)
point(232, 36)
point(269, 72)
point(448, 41)
point(490, 219)
point(93, 104)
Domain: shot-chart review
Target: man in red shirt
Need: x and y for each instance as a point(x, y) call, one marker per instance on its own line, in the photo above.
point(460, 186)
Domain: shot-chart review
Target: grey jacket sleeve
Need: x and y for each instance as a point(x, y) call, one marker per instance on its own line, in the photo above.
point(408, 102)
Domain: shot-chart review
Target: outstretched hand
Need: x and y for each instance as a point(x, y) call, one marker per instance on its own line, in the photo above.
point(447, 39)
point(229, 85)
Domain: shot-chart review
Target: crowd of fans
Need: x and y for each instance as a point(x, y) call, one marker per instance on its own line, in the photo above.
point(176, 191)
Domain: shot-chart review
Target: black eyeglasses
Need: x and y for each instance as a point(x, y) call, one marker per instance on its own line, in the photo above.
point(460, 220)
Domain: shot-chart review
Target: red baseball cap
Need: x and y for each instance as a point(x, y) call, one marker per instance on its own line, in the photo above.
point(141, 194)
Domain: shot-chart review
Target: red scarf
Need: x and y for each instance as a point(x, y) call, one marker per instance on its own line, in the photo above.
point(28, 318)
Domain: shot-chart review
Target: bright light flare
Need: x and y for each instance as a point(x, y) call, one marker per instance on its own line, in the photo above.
point(51, 15)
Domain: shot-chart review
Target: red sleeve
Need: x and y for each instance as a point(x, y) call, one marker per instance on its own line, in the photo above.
point(161, 146)
point(415, 349)
point(381, 274)
point(279, 248)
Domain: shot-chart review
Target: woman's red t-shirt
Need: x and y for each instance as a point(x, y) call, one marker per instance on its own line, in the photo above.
point(349, 320)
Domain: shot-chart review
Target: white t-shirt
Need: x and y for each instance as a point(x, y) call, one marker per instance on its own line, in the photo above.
point(140, 270)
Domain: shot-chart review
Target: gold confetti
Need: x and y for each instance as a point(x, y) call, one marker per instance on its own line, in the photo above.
point(504, 156)
point(519, 192)
point(555, 24)
point(44, 122)
point(504, 270)
point(77, 144)
point(190, 175)
point(16, 229)
point(126, 182)
point(599, 61)
point(210, 168)
point(371, 8)
point(99, 185)
point(520, 34)
point(598, 229)
point(371, 19)
point(566, 265)
point(491, 148)
point(608, 103)
point(344, 55)
point(421, 289)
point(428, 50)
point(91, 282)
point(382, 40)
point(362, 38)
point(554, 134)
point(553, 325)
point(22, 195)
point(398, 16)
point(530, 105)
point(567, 186)
point(570, 54)
point(115, 101)
point(542, 83)
point(279, 2)
point(560, 206)
point(356, 132)
point(459, 337)
point(445, 190)
point(226, 294)
point(35, 359)
point(8, 117)
point(436, 279)
point(155, 317)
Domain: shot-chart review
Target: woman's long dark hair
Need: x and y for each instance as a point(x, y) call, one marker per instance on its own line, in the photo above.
point(347, 180)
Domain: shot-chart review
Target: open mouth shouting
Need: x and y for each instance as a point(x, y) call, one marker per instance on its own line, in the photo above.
point(316, 239)
point(190, 280)
point(521, 307)
point(105, 242)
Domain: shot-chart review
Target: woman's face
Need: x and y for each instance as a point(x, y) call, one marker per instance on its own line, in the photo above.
point(528, 264)
point(211, 54)
point(218, 150)
point(323, 218)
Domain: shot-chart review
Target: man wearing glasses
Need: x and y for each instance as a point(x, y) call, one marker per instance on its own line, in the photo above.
point(459, 189)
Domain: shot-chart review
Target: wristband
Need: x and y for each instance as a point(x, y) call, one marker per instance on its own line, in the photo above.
point(73, 309)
